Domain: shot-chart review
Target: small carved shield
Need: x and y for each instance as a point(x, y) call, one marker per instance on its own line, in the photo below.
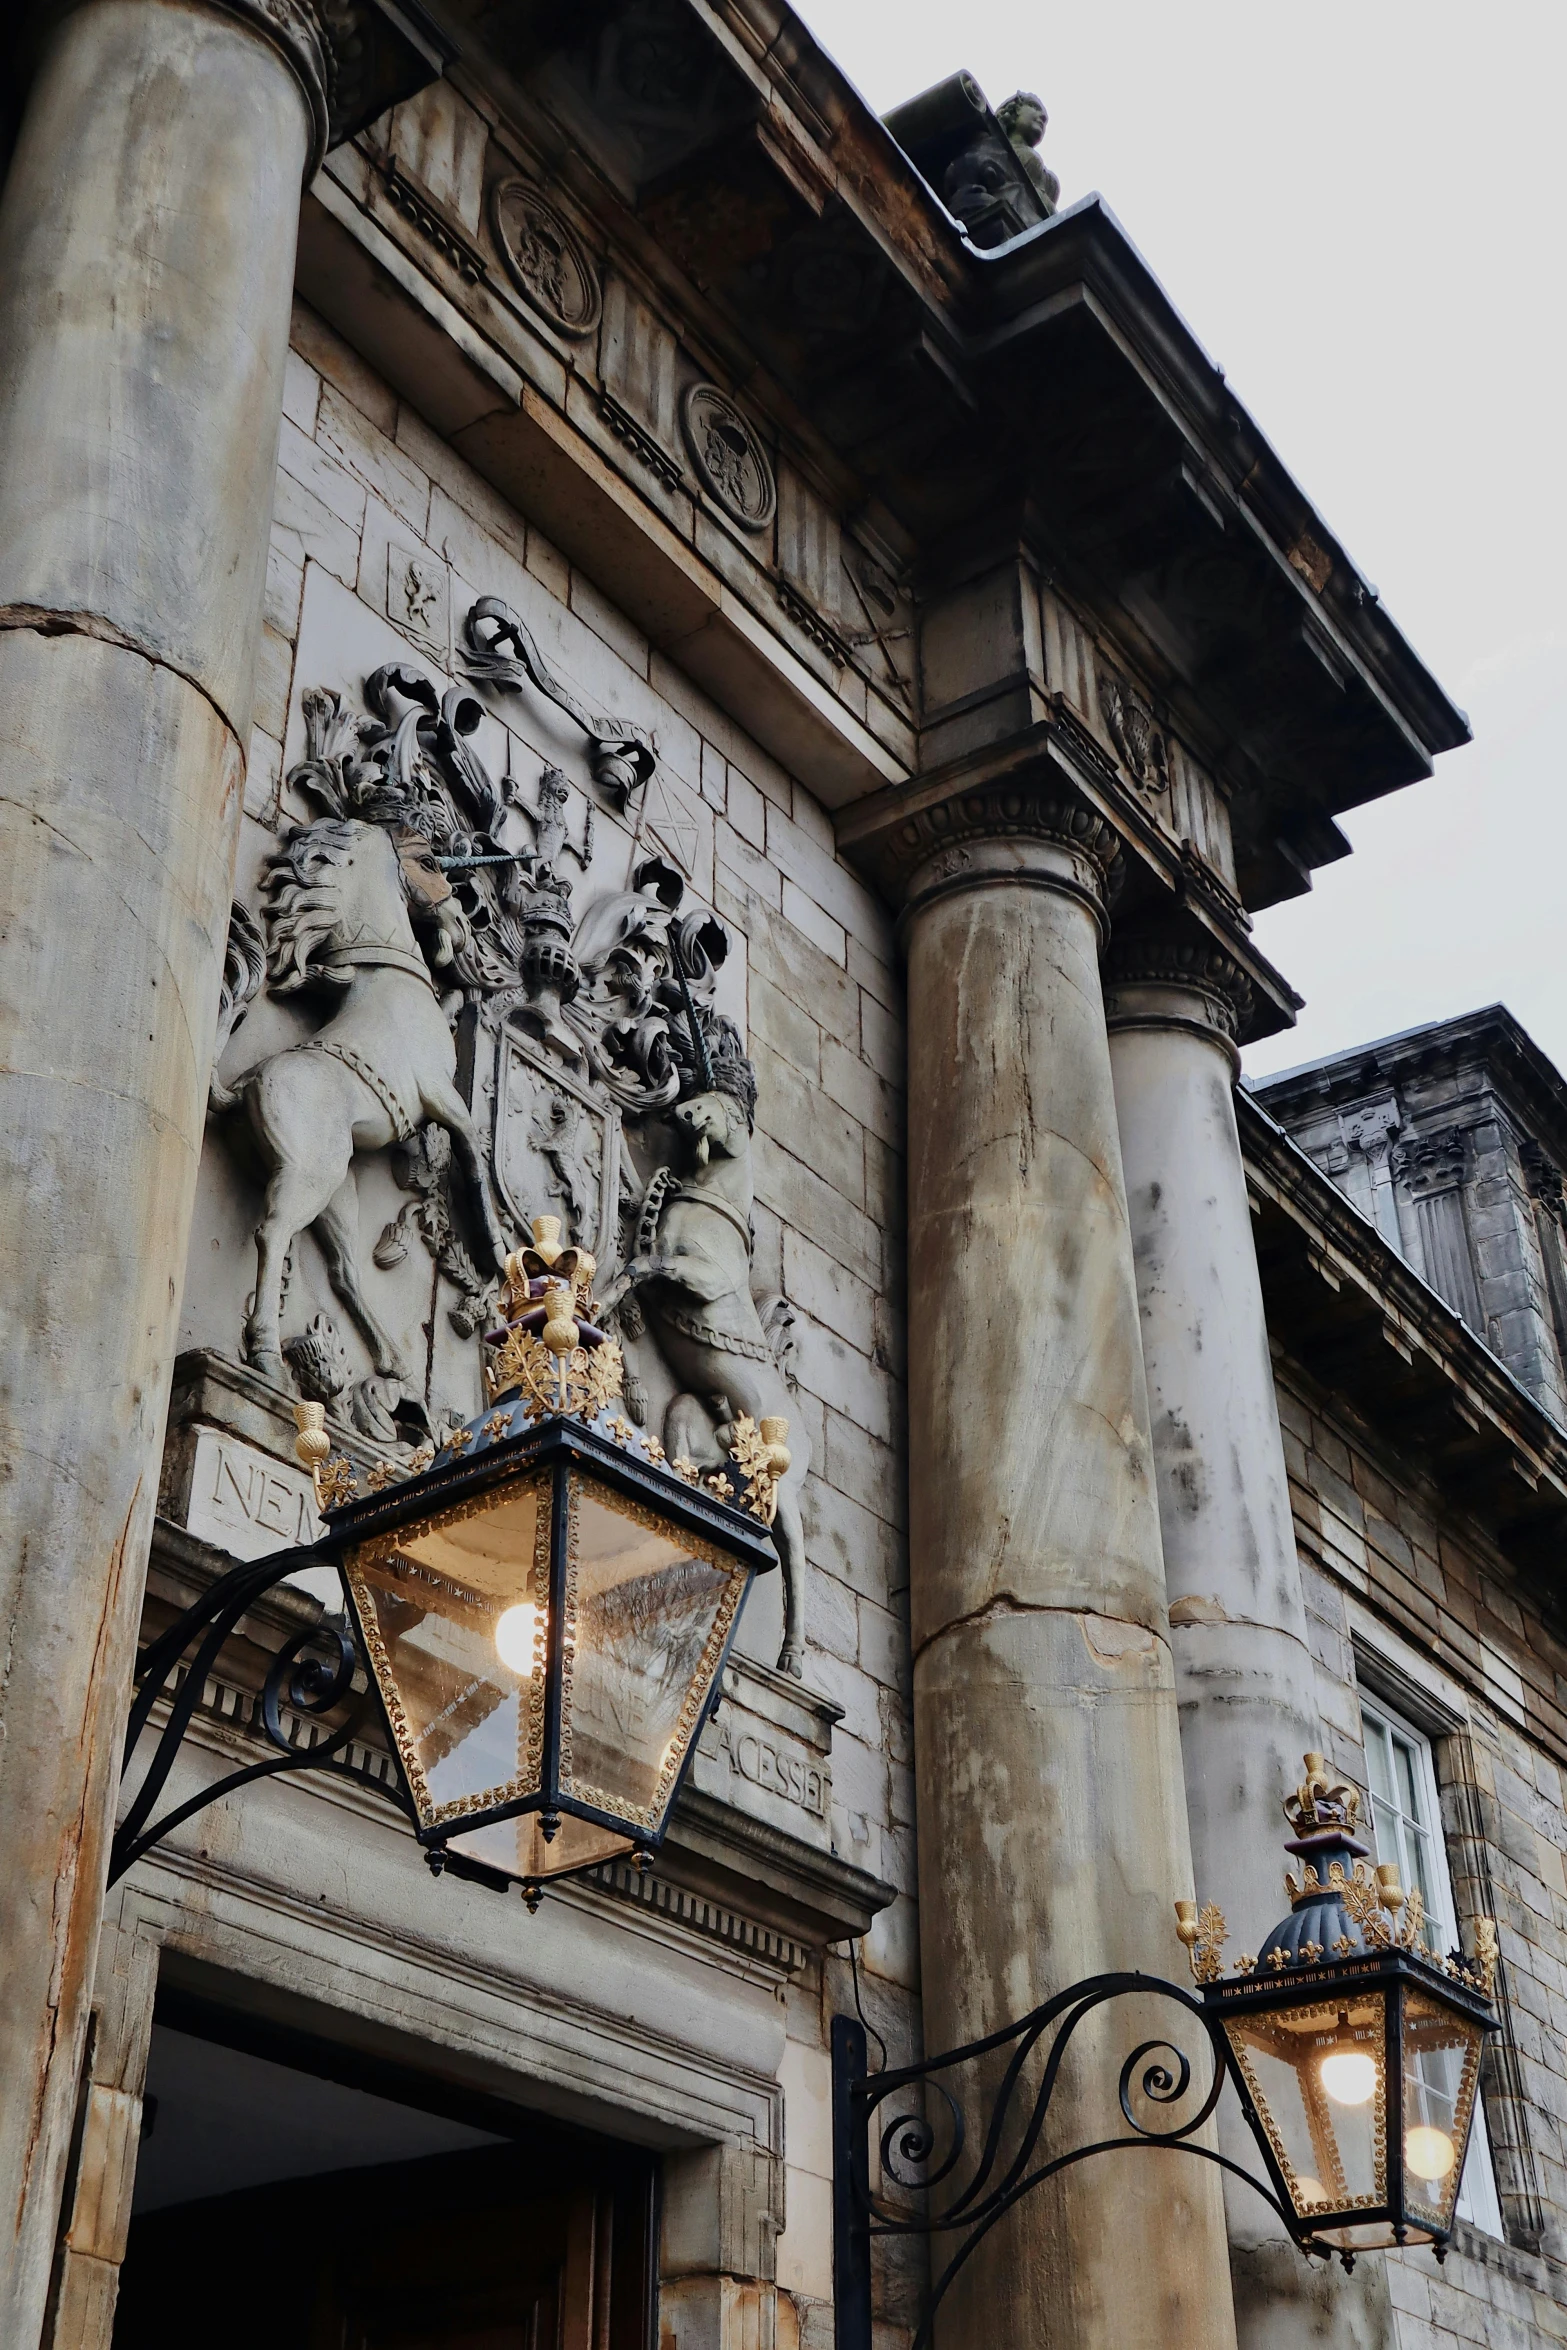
point(556, 1146)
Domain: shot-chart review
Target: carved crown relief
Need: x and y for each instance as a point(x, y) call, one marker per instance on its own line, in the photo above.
point(479, 1026)
point(544, 258)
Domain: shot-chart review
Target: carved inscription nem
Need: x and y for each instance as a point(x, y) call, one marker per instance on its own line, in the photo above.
point(246, 1502)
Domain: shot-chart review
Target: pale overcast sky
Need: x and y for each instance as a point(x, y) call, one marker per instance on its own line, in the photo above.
point(1358, 209)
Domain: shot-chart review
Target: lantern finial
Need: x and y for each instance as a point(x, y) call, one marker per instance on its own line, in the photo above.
point(1321, 1802)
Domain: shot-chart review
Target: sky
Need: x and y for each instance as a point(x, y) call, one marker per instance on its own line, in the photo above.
point(1356, 210)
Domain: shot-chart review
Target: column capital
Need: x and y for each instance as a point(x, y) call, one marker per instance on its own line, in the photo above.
point(1162, 976)
point(1018, 830)
point(350, 57)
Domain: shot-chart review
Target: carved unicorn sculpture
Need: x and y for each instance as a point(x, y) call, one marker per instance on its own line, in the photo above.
point(338, 902)
point(692, 1280)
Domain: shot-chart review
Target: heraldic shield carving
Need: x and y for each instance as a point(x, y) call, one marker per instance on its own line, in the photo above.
point(455, 1023)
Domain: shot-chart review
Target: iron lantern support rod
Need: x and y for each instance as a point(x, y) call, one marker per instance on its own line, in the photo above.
point(311, 1687)
point(908, 2140)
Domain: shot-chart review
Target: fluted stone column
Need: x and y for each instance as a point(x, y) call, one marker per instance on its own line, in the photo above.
point(1052, 1825)
point(1244, 1671)
point(147, 242)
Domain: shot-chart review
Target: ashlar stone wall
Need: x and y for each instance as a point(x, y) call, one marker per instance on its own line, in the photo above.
point(363, 487)
point(1408, 1601)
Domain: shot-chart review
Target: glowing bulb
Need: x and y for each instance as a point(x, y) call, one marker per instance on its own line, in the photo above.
point(1349, 2077)
point(515, 1629)
point(1429, 2153)
point(1309, 2190)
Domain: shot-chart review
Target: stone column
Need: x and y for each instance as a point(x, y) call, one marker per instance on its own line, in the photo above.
point(1244, 1671)
point(147, 242)
point(1051, 1812)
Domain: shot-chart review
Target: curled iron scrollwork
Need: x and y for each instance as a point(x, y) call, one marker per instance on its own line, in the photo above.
point(300, 1680)
point(1004, 2119)
point(910, 2138)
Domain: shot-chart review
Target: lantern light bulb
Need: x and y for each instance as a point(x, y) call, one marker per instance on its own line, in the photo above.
point(1310, 2190)
point(516, 1629)
point(1349, 2076)
point(1430, 2153)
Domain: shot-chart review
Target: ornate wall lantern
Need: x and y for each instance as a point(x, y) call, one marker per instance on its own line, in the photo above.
point(1354, 2049)
point(543, 1608)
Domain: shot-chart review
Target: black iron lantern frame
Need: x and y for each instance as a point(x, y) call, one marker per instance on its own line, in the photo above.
point(1411, 2000)
point(944, 2149)
point(475, 1628)
point(558, 1457)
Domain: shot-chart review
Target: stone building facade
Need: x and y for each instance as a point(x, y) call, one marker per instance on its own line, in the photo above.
point(644, 584)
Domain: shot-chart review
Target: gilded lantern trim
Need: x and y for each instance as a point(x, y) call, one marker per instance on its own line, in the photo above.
point(699, 1688)
point(529, 1779)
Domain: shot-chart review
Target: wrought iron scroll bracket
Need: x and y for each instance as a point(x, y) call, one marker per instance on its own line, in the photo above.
point(312, 1675)
point(966, 2195)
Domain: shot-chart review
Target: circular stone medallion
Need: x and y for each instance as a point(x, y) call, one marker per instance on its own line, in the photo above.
point(543, 257)
point(728, 456)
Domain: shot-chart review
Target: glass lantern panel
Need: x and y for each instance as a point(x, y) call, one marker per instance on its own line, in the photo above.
point(1441, 2069)
point(649, 1610)
point(1316, 2074)
point(518, 1847)
point(454, 1622)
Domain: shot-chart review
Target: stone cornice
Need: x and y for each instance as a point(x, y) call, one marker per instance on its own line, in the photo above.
point(1344, 1304)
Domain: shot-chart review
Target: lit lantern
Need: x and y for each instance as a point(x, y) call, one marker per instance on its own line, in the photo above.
point(546, 1606)
point(1356, 2049)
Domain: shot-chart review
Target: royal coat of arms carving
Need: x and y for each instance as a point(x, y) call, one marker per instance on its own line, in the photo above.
point(485, 1036)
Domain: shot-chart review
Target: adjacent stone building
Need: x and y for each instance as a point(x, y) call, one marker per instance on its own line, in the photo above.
point(554, 568)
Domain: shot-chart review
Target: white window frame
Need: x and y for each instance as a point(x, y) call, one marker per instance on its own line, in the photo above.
point(1478, 2202)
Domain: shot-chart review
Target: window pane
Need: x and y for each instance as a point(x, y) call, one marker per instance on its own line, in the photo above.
point(1377, 1766)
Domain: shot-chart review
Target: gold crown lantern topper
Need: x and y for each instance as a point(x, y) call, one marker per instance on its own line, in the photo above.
point(553, 1348)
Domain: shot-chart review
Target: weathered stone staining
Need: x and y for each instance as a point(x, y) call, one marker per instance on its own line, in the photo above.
point(776, 681)
point(1038, 1619)
point(143, 335)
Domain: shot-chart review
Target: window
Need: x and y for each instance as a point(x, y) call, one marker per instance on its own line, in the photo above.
point(1406, 1827)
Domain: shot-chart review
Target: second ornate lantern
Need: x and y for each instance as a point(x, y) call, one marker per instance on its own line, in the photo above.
point(1355, 2047)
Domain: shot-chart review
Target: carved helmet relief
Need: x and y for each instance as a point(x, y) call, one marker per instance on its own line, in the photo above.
point(731, 462)
point(544, 258)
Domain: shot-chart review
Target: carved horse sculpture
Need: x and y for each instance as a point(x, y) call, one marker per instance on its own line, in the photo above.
point(338, 902)
point(692, 1280)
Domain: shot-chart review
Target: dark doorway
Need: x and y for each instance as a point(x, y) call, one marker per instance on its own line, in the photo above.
point(283, 2206)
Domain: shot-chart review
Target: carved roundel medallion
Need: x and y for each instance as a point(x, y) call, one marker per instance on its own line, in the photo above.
point(730, 459)
point(543, 257)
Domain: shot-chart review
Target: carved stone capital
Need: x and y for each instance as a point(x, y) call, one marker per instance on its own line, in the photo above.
point(351, 61)
point(1430, 1163)
point(1008, 832)
point(1542, 1175)
point(1167, 978)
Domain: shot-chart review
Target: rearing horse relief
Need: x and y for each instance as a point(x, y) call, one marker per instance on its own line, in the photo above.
point(337, 905)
